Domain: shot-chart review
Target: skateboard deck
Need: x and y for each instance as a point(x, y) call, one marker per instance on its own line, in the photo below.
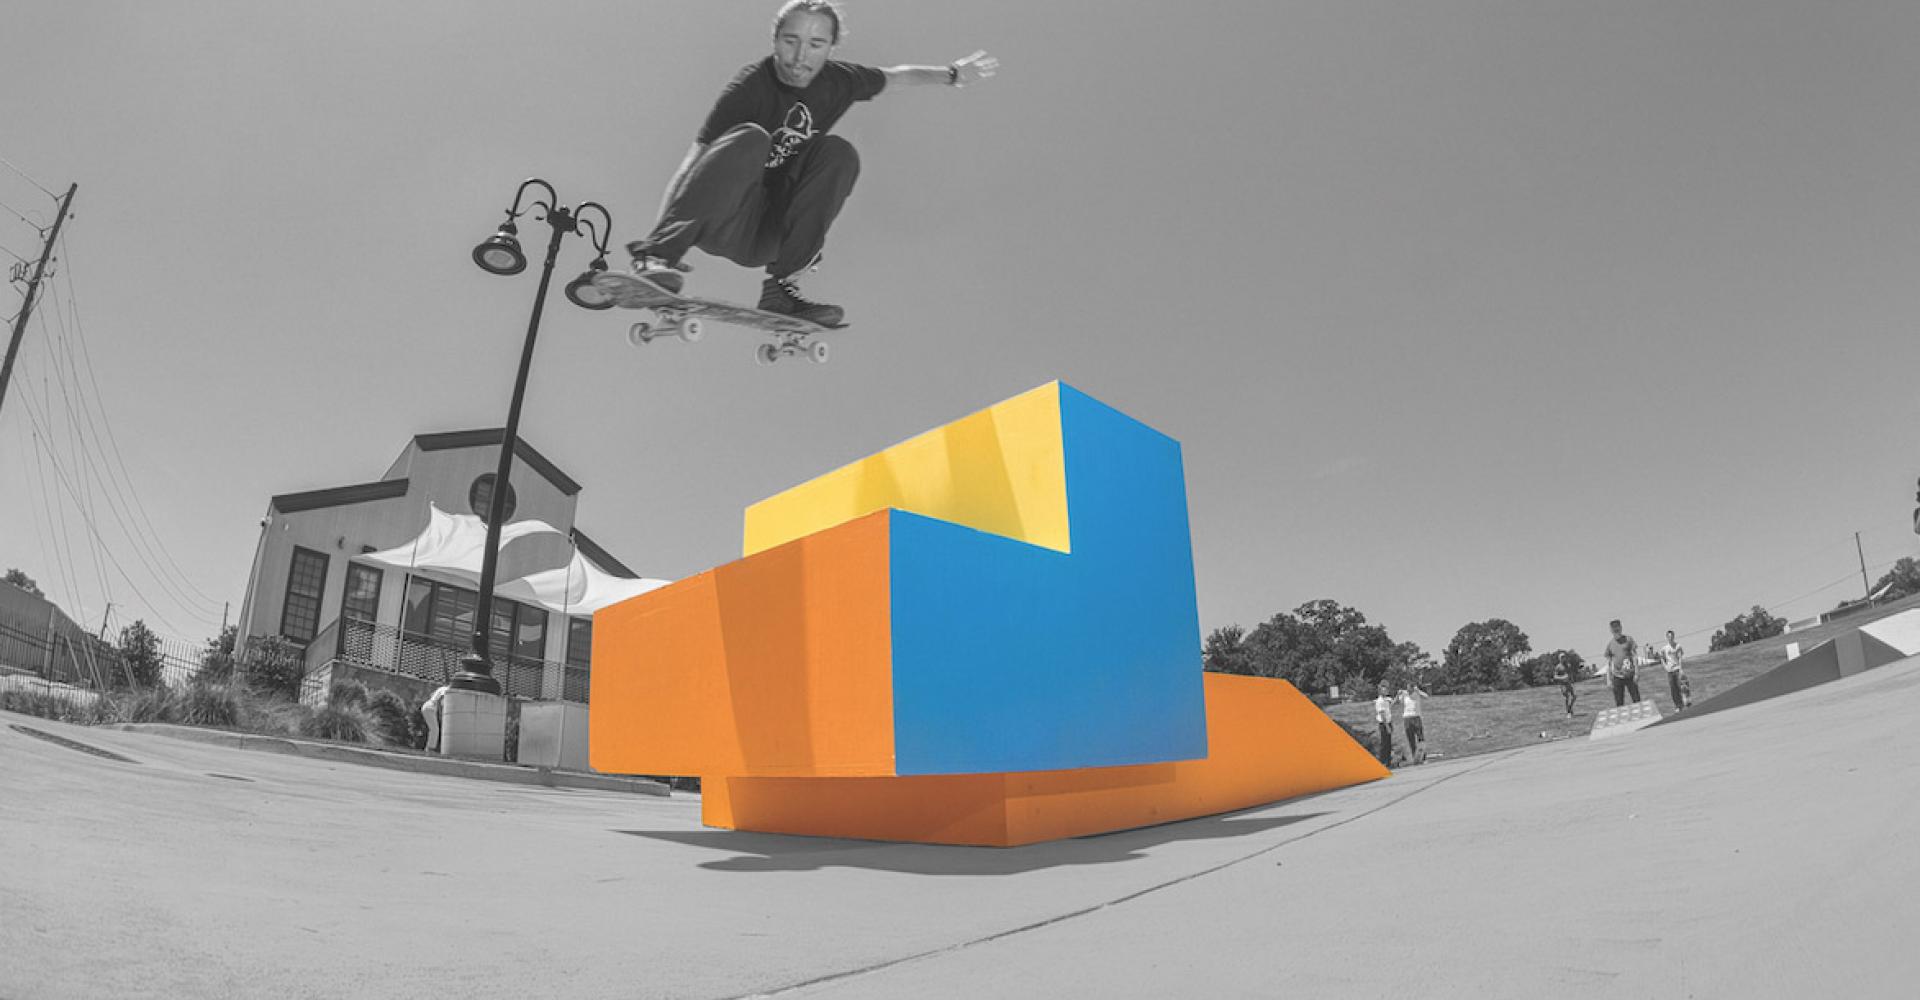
point(680, 315)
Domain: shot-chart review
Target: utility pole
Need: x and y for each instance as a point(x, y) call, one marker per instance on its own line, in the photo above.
point(33, 287)
point(1865, 587)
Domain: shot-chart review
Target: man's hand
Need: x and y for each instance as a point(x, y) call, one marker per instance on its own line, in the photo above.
point(974, 68)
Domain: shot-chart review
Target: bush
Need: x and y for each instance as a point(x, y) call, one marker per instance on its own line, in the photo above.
point(417, 725)
point(202, 704)
point(140, 654)
point(276, 716)
point(348, 694)
point(151, 705)
point(216, 660)
point(1742, 629)
point(337, 722)
point(390, 722)
point(46, 705)
point(274, 666)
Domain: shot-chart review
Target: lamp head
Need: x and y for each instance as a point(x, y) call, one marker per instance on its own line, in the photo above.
point(500, 253)
point(584, 293)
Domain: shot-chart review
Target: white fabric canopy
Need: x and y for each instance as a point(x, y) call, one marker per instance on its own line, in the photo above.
point(579, 587)
point(456, 544)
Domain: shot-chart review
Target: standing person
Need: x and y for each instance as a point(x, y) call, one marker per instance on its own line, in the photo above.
point(1672, 657)
point(1383, 714)
point(764, 181)
point(1563, 676)
point(1410, 718)
point(430, 711)
point(1623, 665)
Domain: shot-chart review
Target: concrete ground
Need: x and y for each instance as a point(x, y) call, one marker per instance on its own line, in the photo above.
point(1763, 852)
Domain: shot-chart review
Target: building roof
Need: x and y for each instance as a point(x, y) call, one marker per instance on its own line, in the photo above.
point(601, 557)
point(339, 496)
point(493, 436)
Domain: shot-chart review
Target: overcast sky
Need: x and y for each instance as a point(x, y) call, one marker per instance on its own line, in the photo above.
point(1550, 311)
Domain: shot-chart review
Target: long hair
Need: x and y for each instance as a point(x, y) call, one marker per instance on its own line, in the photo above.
point(830, 8)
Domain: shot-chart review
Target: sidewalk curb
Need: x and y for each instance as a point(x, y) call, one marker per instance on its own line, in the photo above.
point(399, 760)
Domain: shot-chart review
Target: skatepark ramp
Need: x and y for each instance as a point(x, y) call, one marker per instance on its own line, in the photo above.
point(986, 634)
point(1874, 645)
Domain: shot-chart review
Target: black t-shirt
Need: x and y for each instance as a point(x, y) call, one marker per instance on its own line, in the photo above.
point(792, 116)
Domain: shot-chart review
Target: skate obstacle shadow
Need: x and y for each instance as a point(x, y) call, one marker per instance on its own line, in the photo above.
point(1877, 644)
point(986, 634)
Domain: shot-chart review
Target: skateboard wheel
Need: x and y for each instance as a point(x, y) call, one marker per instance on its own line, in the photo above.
point(766, 354)
point(691, 330)
point(818, 352)
point(639, 333)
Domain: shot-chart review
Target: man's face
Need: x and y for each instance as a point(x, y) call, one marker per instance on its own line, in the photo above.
point(801, 46)
point(1617, 629)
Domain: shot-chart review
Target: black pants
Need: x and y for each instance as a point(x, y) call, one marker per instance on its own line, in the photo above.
point(1386, 743)
point(1625, 686)
point(1566, 691)
point(1673, 688)
point(731, 206)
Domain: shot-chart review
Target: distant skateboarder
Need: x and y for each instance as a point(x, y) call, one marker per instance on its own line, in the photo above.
point(1410, 719)
point(1563, 676)
point(764, 181)
point(1672, 657)
point(1623, 665)
point(1383, 714)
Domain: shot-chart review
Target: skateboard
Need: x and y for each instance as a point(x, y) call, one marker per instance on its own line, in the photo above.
point(680, 315)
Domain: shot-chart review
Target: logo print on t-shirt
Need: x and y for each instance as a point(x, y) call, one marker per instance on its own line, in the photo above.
point(791, 135)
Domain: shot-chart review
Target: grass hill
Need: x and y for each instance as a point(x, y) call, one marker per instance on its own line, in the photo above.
point(1463, 724)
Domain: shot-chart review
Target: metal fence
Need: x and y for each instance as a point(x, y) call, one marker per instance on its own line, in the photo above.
point(373, 646)
point(60, 653)
point(67, 655)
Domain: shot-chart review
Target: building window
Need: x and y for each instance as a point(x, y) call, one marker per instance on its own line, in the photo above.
point(574, 681)
point(361, 602)
point(580, 642)
point(480, 498)
point(443, 615)
point(519, 631)
point(306, 581)
point(438, 613)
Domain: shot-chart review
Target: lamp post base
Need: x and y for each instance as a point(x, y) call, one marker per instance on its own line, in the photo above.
point(475, 675)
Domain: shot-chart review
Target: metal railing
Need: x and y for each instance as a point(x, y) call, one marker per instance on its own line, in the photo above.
point(373, 646)
point(79, 659)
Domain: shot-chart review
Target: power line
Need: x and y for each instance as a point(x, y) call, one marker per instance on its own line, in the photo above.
point(100, 544)
point(16, 214)
point(62, 547)
point(162, 553)
point(29, 177)
point(86, 465)
point(42, 530)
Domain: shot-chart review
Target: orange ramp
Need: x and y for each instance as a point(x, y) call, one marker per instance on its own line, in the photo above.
point(1266, 743)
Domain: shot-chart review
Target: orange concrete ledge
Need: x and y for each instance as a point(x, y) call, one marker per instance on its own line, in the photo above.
point(807, 689)
point(1267, 743)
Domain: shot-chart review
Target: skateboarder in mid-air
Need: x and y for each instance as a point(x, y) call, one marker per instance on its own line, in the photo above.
point(764, 181)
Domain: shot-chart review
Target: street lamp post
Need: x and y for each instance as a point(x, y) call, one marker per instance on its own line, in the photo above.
point(500, 254)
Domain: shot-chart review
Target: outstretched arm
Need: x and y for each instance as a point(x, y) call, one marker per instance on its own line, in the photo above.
point(959, 73)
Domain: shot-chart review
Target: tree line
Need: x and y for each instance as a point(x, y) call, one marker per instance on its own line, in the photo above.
point(1323, 646)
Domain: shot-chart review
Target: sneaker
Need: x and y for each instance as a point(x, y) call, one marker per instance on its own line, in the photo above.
point(666, 273)
point(781, 295)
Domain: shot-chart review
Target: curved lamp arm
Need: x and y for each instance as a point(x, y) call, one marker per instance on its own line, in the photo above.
point(600, 233)
point(516, 211)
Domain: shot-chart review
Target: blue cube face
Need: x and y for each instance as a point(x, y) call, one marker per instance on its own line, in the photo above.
point(1013, 657)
